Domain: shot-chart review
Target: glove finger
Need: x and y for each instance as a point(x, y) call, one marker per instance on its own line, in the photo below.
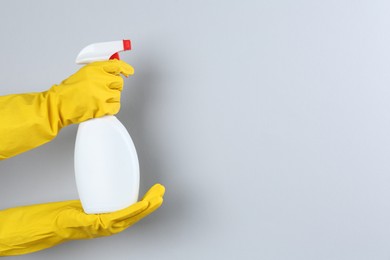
point(112, 108)
point(115, 99)
point(128, 212)
point(149, 205)
point(117, 84)
point(156, 190)
point(154, 204)
point(112, 94)
point(118, 67)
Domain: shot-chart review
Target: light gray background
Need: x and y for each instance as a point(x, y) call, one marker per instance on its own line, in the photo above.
point(267, 121)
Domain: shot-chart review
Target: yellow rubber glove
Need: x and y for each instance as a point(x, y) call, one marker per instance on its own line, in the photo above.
point(32, 228)
point(30, 120)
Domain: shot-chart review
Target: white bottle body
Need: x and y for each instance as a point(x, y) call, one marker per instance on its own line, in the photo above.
point(106, 166)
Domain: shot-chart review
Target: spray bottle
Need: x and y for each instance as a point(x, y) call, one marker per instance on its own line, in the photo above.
point(105, 158)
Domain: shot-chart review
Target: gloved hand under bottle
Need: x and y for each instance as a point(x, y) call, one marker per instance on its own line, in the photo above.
point(30, 120)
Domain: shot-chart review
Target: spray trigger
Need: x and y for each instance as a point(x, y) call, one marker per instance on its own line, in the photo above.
point(115, 56)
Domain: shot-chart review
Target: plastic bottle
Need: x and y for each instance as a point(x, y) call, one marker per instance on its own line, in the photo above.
point(105, 159)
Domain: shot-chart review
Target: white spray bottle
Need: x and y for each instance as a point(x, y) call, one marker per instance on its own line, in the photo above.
point(105, 159)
